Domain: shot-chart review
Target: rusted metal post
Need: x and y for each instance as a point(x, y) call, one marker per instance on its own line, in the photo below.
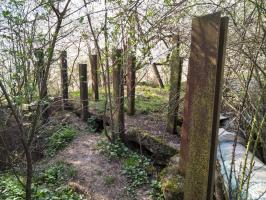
point(217, 104)
point(64, 79)
point(175, 85)
point(202, 104)
point(83, 91)
point(118, 95)
point(94, 76)
point(43, 91)
point(157, 74)
point(131, 83)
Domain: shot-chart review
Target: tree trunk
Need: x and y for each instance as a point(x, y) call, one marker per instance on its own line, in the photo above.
point(155, 69)
point(28, 190)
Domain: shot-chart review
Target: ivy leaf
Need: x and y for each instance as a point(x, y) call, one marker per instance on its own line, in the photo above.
point(149, 13)
point(81, 19)
point(168, 2)
point(5, 13)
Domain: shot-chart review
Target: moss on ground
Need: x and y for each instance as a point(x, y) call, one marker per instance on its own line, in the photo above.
point(148, 100)
point(172, 183)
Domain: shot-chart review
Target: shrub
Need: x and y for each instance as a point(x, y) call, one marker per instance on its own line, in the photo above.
point(59, 140)
point(50, 184)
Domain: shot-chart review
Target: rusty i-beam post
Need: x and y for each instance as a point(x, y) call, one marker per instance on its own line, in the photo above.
point(175, 85)
point(118, 95)
point(202, 105)
point(83, 91)
point(217, 103)
point(64, 79)
point(131, 83)
point(94, 76)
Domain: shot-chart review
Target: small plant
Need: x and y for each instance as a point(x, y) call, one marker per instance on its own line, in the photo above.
point(59, 140)
point(10, 188)
point(113, 150)
point(92, 124)
point(134, 166)
point(57, 173)
point(156, 191)
point(135, 169)
point(109, 180)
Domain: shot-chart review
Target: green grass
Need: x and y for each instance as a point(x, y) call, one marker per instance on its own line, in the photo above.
point(148, 100)
point(48, 184)
point(151, 100)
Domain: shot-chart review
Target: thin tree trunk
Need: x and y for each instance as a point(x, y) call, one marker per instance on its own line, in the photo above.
point(29, 174)
point(157, 74)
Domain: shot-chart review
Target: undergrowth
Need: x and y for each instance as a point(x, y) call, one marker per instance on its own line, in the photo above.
point(137, 168)
point(59, 140)
point(92, 124)
point(148, 100)
point(48, 184)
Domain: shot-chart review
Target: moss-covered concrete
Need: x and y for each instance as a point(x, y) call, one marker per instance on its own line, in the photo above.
point(160, 150)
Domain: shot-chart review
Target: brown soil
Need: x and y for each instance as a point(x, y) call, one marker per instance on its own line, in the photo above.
point(93, 168)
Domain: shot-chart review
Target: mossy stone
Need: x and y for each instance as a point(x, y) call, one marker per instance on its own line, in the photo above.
point(161, 151)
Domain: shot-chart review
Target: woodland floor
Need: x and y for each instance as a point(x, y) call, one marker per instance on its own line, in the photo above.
point(98, 176)
point(92, 167)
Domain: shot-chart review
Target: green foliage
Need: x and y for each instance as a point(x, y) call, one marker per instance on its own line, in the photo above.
point(113, 150)
point(10, 188)
point(91, 123)
point(134, 166)
point(150, 99)
point(59, 140)
point(5, 13)
point(55, 174)
point(156, 190)
point(81, 19)
point(50, 184)
point(135, 169)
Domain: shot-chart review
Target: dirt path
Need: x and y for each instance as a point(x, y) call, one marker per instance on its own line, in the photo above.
point(101, 178)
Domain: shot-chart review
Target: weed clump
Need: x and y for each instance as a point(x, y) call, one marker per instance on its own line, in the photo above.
point(135, 167)
point(59, 140)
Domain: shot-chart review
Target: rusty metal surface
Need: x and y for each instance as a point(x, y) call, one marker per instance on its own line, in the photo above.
point(199, 105)
point(83, 91)
point(64, 78)
point(94, 76)
point(217, 103)
point(118, 95)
